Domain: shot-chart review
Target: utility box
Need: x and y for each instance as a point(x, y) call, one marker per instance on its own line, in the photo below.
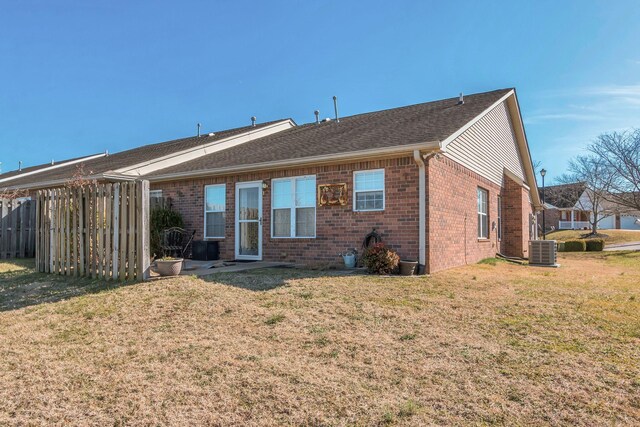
point(543, 253)
point(205, 251)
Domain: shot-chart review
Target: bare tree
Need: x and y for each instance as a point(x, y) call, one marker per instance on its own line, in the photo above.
point(79, 178)
point(12, 194)
point(620, 153)
point(595, 176)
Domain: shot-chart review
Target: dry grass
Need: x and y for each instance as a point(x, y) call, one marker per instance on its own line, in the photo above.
point(610, 236)
point(483, 344)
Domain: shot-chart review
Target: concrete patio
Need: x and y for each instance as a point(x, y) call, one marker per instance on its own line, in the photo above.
point(204, 268)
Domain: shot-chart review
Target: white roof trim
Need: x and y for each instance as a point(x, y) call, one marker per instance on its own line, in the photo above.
point(54, 166)
point(173, 159)
point(521, 138)
point(473, 121)
point(352, 155)
point(523, 145)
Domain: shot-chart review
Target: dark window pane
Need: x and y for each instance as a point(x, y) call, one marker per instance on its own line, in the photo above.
point(215, 224)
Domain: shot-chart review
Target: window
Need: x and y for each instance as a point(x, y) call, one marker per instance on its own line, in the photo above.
point(499, 218)
point(155, 193)
point(293, 207)
point(483, 217)
point(214, 210)
point(368, 190)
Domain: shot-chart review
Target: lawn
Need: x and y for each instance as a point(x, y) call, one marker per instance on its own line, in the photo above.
point(493, 343)
point(611, 236)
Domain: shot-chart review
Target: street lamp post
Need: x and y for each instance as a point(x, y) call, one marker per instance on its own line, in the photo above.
point(543, 172)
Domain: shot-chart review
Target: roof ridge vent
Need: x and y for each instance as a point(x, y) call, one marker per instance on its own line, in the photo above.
point(461, 99)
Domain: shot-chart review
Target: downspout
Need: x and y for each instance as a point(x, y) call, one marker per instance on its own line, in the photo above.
point(422, 206)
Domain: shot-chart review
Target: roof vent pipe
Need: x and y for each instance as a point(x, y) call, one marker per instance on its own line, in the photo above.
point(199, 130)
point(335, 107)
point(317, 113)
point(461, 99)
point(253, 121)
point(52, 162)
point(19, 165)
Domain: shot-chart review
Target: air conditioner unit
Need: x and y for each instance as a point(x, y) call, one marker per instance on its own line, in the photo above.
point(543, 253)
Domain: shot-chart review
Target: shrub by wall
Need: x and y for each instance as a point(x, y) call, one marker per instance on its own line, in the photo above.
point(380, 259)
point(595, 245)
point(575, 246)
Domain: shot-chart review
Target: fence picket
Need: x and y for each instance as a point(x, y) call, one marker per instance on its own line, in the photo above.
point(132, 237)
point(116, 230)
point(107, 232)
point(99, 231)
point(124, 189)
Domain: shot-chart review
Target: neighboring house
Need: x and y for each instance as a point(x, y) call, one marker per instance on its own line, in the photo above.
point(134, 163)
point(447, 183)
point(569, 207)
point(32, 173)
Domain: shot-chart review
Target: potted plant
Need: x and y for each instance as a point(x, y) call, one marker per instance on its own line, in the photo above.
point(350, 257)
point(169, 266)
point(408, 268)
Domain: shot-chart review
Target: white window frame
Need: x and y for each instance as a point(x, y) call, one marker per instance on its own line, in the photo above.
point(293, 207)
point(224, 211)
point(485, 214)
point(355, 191)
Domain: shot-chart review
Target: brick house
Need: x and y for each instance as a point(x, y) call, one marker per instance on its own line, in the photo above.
point(446, 183)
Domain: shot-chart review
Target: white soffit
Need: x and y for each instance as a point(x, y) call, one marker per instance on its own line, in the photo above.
point(203, 150)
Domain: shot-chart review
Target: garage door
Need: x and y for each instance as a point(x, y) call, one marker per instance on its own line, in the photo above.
point(628, 222)
point(607, 223)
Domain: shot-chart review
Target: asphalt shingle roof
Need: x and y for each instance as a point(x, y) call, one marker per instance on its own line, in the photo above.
point(431, 121)
point(563, 196)
point(28, 169)
point(130, 157)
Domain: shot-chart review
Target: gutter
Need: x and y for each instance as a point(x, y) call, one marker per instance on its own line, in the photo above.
point(421, 161)
point(422, 206)
point(289, 163)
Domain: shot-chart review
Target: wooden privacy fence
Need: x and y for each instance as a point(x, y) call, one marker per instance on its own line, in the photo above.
point(17, 228)
point(99, 230)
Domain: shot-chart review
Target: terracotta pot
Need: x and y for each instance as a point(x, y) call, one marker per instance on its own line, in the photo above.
point(171, 267)
point(408, 268)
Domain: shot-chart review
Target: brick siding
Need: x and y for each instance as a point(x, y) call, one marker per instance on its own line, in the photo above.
point(337, 227)
point(451, 213)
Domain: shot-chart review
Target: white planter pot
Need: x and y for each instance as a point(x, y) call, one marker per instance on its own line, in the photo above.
point(171, 267)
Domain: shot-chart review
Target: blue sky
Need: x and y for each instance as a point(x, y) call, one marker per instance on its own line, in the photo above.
point(79, 77)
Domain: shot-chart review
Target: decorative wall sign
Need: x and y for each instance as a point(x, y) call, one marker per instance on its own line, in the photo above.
point(332, 194)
